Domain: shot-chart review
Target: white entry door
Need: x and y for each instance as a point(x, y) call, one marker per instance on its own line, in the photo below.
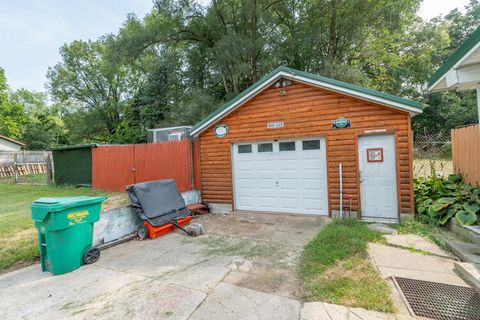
point(281, 176)
point(378, 177)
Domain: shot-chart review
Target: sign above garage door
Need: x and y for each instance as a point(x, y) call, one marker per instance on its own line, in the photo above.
point(281, 176)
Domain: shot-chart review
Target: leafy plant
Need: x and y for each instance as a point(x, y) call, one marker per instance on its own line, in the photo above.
point(437, 200)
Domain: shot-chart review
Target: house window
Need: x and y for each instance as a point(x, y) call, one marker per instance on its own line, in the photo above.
point(287, 146)
point(265, 147)
point(311, 145)
point(245, 148)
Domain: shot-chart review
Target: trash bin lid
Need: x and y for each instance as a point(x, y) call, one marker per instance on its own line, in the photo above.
point(56, 204)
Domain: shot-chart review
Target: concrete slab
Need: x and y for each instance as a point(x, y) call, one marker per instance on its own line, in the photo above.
point(314, 311)
point(372, 315)
point(173, 258)
point(42, 296)
point(287, 229)
point(404, 263)
point(228, 301)
point(338, 312)
point(416, 242)
point(383, 228)
point(470, 273)
point(327, 311)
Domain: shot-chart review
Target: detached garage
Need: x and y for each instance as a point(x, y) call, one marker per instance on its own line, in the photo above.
point(281, 144)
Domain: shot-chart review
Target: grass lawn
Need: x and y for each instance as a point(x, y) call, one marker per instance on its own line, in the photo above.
point(335, 268)
point(18, 237)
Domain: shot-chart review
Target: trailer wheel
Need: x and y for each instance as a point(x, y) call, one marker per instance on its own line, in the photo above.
point(142, 232)
point(91, 256)
point(208, 206)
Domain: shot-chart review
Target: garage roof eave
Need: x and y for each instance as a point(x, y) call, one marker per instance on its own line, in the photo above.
point(386, 99)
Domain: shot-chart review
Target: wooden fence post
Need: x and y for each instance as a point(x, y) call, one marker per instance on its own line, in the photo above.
point(15, 170)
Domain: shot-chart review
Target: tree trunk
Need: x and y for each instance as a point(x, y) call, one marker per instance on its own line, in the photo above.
point(255, 41)
point(332, 40)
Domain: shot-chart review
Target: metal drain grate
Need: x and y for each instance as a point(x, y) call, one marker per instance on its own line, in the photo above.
point(440, 301)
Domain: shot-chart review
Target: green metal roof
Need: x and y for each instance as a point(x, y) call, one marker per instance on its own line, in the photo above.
point(456, 56)
point(339, 85)
point(78, 146)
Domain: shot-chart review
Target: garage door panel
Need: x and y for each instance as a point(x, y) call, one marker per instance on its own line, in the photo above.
point(312, 204)
point(267, 202)
point(289, 203)
point(284, 178)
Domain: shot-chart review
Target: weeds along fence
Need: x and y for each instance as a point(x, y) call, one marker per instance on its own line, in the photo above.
point(432, 155)
point(114, 167)
point(466, 153)
point(26, 166)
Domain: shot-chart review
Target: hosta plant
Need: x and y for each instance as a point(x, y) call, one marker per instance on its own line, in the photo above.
point(437, 200)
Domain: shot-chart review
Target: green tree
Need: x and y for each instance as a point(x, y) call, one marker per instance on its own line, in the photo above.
point(447, 110)
point(44, 127)
point(12, 115)
point(102, 89)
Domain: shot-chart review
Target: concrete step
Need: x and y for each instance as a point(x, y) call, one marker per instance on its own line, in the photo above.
point(469, 272)
point(465, 251)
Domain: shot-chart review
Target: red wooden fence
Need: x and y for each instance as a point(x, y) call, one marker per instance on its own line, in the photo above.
point(114, 167)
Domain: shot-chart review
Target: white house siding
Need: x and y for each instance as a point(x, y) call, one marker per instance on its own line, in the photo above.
point(6, 145)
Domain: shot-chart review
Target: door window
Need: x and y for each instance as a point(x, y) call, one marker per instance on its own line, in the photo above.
point(287, 146)
point(265, 147)
point(311, 144)
point(245, 148)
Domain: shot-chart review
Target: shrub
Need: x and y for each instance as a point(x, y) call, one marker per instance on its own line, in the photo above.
point(437, 200)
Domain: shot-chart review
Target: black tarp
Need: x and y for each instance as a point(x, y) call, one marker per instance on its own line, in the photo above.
point(158, 202)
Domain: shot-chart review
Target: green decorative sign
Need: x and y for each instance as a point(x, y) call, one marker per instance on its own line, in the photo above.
point(341, 123)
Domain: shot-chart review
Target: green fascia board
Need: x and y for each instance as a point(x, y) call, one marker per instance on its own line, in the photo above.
point(80, 146)
point(456, 56)
point(337, 83)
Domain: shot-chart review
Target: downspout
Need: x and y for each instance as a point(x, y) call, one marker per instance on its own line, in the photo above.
point(478, 102)
point(341, 190)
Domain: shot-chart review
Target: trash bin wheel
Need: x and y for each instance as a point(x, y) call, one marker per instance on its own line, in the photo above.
point(91, 256)
point(142, 232)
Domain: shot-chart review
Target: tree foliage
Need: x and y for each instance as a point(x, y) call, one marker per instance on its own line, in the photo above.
point(12, 116)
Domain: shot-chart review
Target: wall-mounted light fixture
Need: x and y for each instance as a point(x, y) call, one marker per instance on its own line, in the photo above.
point(282, 84)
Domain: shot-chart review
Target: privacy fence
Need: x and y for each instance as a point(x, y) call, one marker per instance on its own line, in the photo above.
point(116, 166)
point(466, 153)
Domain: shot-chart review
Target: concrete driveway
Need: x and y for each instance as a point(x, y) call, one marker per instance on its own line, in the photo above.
point(242, 268)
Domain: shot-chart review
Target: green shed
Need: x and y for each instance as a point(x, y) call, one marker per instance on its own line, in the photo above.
point(72, 165)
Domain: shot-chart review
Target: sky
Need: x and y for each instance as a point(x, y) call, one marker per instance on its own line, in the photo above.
point(32, 31)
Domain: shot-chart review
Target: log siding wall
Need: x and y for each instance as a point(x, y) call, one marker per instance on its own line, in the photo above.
point(308, 111)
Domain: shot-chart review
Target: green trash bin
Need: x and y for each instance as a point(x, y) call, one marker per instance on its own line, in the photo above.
point(65, 231)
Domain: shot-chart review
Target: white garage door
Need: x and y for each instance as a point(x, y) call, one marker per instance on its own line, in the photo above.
point(282, 176)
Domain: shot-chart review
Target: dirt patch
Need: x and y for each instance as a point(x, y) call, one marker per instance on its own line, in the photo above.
point(21, 235)
point(273, 245)
point(116, 201)
point(269, 275)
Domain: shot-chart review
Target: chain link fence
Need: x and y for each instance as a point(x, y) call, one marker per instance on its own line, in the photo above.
point(25, 167)
point(432, 155)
